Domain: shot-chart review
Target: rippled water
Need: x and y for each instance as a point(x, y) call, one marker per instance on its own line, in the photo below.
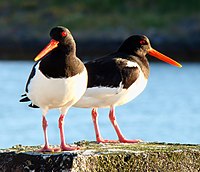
point(167, 111)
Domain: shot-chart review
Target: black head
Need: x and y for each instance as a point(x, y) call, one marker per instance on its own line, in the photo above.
point(61, 34)
point(139, 45)
point(136, 45)
point(62, 38)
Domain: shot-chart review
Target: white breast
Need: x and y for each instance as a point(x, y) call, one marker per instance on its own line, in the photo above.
point(100, 97)
point(54, 93)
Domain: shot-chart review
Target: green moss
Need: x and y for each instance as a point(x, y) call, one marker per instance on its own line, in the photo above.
point(110, 157)
point(143, 157)
point(118, 147)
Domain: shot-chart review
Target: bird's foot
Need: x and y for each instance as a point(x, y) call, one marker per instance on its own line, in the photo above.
point(101, 140)
point(121, 140)
point(48, 149)
point(124, 140)
point(65, 147)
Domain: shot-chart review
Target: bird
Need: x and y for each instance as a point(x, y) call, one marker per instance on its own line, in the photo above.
point(116, 79)
point(57, 81)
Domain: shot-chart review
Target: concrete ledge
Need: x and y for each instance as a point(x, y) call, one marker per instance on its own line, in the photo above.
point(104, 157)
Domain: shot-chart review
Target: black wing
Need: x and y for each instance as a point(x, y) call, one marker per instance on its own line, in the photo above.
point(111, 71)
point(32, 74)
point(24, 97)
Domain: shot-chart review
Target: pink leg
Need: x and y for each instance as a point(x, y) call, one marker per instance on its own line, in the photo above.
point(122, 139)
point(99, 139)
point(46, 147)
point(63, 145)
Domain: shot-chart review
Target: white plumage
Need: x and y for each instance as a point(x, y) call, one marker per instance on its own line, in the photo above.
point(104, 97)
point(56, 92)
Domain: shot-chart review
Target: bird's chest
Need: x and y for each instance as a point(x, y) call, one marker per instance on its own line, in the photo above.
point(56, 92)
point(61, 66)
point(132, 91)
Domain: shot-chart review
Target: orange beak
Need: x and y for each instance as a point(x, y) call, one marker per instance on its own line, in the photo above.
point(53, 44)
point(163, 57)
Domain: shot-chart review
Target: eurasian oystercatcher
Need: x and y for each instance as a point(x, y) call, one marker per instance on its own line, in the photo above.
point(57, 80)
point(118, 78)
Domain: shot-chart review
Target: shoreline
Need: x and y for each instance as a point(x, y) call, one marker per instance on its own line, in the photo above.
point(87, 49)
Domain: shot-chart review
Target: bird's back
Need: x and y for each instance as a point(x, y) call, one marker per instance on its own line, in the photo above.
point(114, 79)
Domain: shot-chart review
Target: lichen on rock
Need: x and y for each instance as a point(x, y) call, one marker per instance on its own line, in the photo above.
point(104, 157)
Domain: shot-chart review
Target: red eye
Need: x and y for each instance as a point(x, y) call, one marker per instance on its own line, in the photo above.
point(64, 33)
point(142, 42)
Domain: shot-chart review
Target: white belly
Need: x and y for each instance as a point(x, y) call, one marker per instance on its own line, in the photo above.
point(101, 97)
point(55, 93)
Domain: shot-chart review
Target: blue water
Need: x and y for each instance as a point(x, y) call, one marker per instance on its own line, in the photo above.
point(167, 111)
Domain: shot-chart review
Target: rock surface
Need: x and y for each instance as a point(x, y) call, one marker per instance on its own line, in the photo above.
point(104, 157)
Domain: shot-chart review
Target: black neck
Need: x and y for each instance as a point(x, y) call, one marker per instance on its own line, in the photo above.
point(69, 49)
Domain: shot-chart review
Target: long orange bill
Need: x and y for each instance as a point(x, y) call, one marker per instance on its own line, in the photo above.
point(53, 44)
point(163, 57)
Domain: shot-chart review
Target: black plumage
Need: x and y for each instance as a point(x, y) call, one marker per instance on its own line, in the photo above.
point(110, 71)
point(113, 69)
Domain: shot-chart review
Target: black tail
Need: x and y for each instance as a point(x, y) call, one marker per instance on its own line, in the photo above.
point(26, 99)
point(33, 106)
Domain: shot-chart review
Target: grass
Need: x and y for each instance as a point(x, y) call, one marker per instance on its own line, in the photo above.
point(84, 16)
